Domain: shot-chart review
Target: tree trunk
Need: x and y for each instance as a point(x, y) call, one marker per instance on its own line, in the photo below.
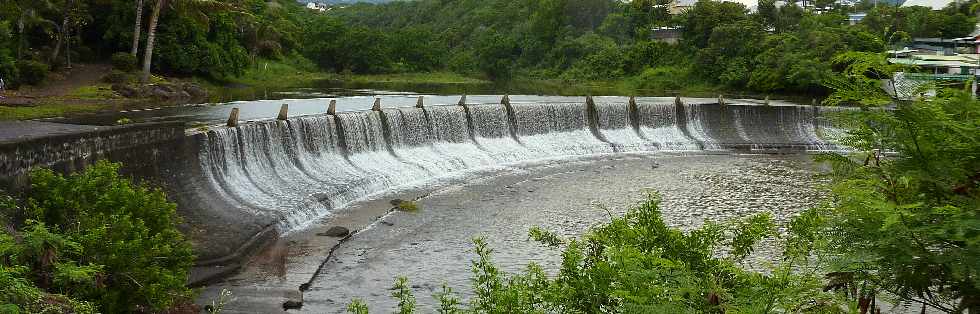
point(151, 33)
point(57, 45)
point(136, 30)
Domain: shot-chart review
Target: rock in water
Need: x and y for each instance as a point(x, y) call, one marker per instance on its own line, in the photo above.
point(292, 305)
point(335, 231)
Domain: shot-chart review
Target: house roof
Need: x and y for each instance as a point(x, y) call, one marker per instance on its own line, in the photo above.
point(928, 57)
point(933, 4)
point(932, 63)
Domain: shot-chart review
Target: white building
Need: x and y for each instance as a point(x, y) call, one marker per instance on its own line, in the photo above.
point(933, 4)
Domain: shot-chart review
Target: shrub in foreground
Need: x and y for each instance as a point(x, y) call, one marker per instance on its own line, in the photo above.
point(906, 223)
point(98, 237)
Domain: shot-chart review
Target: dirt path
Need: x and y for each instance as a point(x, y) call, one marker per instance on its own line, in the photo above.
point(59, 84)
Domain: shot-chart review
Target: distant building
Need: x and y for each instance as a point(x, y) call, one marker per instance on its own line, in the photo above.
point(855, 18)
point(317, 6)
point(676, 7)
point(932, 4)
point(670, 35)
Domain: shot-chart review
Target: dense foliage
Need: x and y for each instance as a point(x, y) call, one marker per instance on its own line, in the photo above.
point(906, 216)
point(95, 237)
point(779, 48)
point(209, 38)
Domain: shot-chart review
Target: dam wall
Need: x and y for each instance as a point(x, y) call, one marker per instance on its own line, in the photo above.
point(305, 167)
point(239, 187)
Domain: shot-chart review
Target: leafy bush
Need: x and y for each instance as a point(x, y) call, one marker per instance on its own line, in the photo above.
point(32, 72)
point(98, 237)
point(117, 77)
point(9, 72)
point(19, 295)
point(123, 61)
point(663, 78)
point(904, 225)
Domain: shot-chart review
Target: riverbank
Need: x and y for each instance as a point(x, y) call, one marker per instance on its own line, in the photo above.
point(83, 91)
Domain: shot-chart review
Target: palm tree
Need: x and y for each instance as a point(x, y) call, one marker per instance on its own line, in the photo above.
point(136, 30)
point(151, 35)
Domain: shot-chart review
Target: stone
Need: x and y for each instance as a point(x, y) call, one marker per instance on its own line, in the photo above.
point(195, 91)
point(335, 231)
point(283, 112)
point(125, 90)
point(162, 91)
point(321, 197)
point(233, 118)
point(292, 305)
point(332, 108)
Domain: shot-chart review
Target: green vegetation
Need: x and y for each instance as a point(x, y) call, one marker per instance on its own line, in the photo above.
point(92, 242)
point(46, 110)
point(407, 206)
point(906, 225)
point(578, 43)
point(785, 49)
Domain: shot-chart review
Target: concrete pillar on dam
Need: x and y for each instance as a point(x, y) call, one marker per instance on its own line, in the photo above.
point(377, 105)
point(721, 100)
point(678, 101)
point(233, 118)
point(419, 104)
point(462, 100)
point(283, 112)
point(332, 109)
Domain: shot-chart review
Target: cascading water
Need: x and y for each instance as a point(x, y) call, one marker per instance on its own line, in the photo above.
point(660, 124)
point(557, 129)
point(616, 126)
point(303, 168)
point(492, 131)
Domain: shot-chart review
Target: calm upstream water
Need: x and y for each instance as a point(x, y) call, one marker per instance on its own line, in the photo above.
point(265, 105)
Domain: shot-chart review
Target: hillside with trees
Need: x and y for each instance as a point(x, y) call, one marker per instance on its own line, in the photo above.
point(778, 49)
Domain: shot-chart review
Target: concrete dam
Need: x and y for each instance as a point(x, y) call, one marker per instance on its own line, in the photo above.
point(239, 187)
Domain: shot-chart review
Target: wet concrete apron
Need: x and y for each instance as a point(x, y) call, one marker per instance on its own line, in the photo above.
point(433, 246)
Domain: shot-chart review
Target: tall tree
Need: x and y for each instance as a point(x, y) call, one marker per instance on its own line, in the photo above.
point(137, 28)
point(150, 37)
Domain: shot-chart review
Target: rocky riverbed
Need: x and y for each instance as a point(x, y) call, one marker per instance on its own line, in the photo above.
point(433, 246)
